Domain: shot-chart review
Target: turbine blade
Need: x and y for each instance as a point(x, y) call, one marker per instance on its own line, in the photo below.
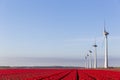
point(104, 26)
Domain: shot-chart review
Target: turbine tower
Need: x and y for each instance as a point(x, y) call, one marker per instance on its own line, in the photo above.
point(95, 56)
point(88, 60)
point(90, 57)
point(85, 61)
point(106, 47)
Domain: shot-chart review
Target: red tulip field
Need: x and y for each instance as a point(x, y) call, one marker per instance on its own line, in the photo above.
point(58, 74)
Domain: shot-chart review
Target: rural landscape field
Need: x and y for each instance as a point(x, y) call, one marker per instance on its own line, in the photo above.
point(59, 39)
point(58, 74)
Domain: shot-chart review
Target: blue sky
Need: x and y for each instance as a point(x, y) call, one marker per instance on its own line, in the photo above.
point(58, 28)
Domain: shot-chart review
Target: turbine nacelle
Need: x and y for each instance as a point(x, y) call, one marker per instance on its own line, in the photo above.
point(106, 33)
point(90, 51)
point(95, 45)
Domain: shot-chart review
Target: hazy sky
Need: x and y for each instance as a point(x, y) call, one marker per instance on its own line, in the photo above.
point(58, 28)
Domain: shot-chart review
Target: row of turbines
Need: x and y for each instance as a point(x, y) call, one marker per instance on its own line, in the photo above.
point(88, 58)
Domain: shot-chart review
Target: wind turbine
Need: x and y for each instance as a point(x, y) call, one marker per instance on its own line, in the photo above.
point(85, 61)
point(106, 47)
point(90, 57)
point(88, 60)
point(95, 56)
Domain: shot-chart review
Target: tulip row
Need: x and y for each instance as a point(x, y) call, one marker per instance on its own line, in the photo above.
point(58, 74)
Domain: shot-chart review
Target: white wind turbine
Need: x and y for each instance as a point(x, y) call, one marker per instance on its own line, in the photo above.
point(106, 47)
point(95, 55)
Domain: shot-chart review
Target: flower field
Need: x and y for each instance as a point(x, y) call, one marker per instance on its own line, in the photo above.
point(58, 74)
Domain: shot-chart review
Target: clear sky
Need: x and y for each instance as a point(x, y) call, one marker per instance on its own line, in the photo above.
point(58, 28)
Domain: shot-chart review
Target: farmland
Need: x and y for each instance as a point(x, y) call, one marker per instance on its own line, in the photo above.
point(58, 74)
